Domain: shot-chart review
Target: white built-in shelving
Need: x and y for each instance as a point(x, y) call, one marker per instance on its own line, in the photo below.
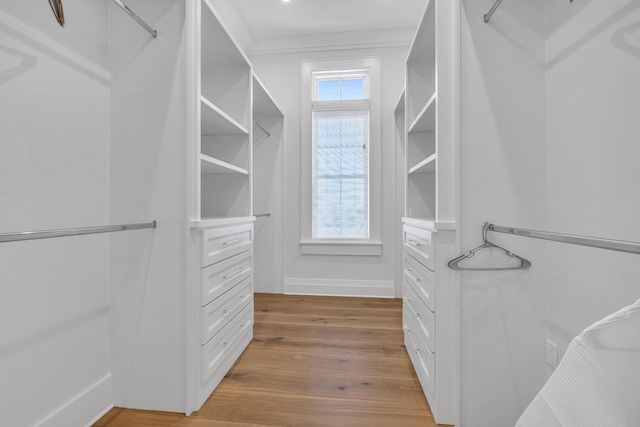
point(224, 182)
point(428, 235)
point(421, 104)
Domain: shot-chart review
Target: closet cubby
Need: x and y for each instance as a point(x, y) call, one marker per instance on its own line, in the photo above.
point(421, 194)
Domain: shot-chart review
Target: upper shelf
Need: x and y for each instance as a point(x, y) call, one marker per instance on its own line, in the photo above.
point(428, 165)
point(211, 165)
point(425, 121)
point(263, 103)
point(214, 121)
point(400, 103)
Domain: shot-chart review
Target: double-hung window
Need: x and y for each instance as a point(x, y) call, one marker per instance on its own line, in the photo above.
point(340, 168)
point(341, 130)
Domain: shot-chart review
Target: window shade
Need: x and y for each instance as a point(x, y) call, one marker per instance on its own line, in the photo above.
point(340, 174)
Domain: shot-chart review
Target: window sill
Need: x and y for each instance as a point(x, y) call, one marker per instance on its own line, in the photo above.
point(330, 247)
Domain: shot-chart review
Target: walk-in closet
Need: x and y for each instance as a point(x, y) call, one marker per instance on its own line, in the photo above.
point(319, 213)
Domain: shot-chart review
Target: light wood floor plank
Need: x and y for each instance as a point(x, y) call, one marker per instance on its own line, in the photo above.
point(314, 362)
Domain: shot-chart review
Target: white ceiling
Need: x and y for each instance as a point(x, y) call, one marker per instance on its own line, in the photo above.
point(267, 20)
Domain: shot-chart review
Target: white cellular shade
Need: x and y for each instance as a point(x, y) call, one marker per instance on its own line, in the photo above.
point(340, 174)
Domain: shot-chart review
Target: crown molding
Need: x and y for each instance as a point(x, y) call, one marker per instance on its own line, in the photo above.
point(332, 41)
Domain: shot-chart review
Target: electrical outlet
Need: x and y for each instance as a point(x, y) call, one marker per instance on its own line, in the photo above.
point(552, 354)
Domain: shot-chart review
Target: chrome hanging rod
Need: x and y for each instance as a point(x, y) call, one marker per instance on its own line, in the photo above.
point(65, 232)
point(594, 242)
point(489, 14)
point(264, 214)
point(261, 128)
point(136, 18)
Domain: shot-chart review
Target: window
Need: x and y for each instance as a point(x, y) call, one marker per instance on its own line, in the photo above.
point(340, 170)
point(340, 148)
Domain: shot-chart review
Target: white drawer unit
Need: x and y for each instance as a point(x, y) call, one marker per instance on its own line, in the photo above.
point(422, 280)
point(219, 278)
point(215, 352)
point(225, 312)
point(218, 312)
point(222, 243)
point(419, 242)
point(422, 358)
point(422, 316)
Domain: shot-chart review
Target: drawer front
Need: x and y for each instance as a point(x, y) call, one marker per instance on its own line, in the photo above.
point(222, 243)
point(215, 351)
point(424, 319)
point(420, 243)
point(421, 279)
point(219, 278)
point(217, 313)
point(423, 360)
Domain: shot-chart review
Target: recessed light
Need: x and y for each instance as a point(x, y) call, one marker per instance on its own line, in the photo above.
point(286, 1)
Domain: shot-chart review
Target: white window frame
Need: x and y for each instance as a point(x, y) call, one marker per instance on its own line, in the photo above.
point(343, 68)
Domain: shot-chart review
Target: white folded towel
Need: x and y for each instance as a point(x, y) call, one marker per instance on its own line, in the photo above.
point(597, 383)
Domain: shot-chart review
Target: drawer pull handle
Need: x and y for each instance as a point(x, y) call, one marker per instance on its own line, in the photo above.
point(416, 349)
point(235, 273)
point(412, 277)
point(226, 310)
point(235, 337)
point(233, 242)
point(415, 313)
point(413, 243)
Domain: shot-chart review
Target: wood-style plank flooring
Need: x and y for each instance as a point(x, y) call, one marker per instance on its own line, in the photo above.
point(314, 361)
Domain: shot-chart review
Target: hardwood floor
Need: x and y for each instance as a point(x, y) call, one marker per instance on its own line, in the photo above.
point(314, 361)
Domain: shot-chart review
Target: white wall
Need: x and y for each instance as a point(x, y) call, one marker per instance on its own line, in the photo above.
point(502, 181)
point(147, 173)
point(281, 74)
point(592, 110)
point(54, 157)
point(549, 141)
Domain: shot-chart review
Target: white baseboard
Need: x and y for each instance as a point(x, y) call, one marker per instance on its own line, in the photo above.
point(344, 288)
point(85, 408)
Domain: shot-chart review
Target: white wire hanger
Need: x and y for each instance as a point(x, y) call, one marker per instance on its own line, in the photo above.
point(454, 264)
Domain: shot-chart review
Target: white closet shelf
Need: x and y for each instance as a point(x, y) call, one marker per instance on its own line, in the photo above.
point(211, 165)
point(214, 121)
point(426, 119)
point(205, 223)
point(428, 165)
point(263, 103)
point(400, 103)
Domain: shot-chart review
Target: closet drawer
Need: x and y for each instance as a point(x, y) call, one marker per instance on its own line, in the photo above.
point(420, 243)
point(217, 313)
point(217, 349)
point(422, 359)
point(222, 243)
point(220, 277)
point(424, 319)
point(421, 279)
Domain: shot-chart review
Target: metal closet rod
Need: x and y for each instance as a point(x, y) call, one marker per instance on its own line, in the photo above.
point(594, 242)
point(66, 232)
point(264, 214)
point(136, 18)
point(261, 128)
point(489, 14)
